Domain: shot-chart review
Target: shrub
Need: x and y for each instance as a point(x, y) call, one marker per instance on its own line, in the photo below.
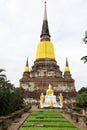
point(85, 120)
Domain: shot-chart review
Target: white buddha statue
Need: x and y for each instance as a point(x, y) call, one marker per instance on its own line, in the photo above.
point(49, 100)
point(50, 91)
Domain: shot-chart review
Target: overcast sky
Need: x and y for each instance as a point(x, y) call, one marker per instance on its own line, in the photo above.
point(20, 29)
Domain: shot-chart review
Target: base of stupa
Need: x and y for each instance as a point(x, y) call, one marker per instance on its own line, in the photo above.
point(53, 106)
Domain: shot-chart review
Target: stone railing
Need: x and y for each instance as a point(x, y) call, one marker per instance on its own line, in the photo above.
point(5, 121)
point(78, 118)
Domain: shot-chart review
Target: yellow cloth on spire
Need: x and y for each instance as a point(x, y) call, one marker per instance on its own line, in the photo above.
point(45, 49)
point(67, 69)
point(26, 69)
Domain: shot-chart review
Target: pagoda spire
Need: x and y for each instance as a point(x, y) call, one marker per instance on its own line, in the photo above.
point(26, 69)
point(45, 35)
point(67, 70)
point(27, 62)
point(45, 12)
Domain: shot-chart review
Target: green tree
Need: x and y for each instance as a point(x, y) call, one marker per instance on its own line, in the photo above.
point(11, 98)
point(84, 58)
point(83, 89)
point(81, 98)
point(85, 38)
point(2, 76)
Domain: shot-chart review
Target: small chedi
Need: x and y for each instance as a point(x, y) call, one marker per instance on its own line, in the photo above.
point(49, 100)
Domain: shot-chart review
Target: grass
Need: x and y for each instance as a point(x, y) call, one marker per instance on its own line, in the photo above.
point(47, 120)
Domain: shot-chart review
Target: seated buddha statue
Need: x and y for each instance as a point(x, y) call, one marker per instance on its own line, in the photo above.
point(50, 91)
point(49, 100)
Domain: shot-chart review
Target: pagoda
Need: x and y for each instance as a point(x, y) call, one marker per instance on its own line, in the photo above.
point(45, 70)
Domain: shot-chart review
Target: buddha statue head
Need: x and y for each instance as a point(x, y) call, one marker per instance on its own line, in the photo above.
point(50, 91)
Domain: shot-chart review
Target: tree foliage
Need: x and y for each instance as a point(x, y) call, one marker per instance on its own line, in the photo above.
point(85, 38)
point(83, 89)
point(84, 58)
point(81, 99)
point(11, 98)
